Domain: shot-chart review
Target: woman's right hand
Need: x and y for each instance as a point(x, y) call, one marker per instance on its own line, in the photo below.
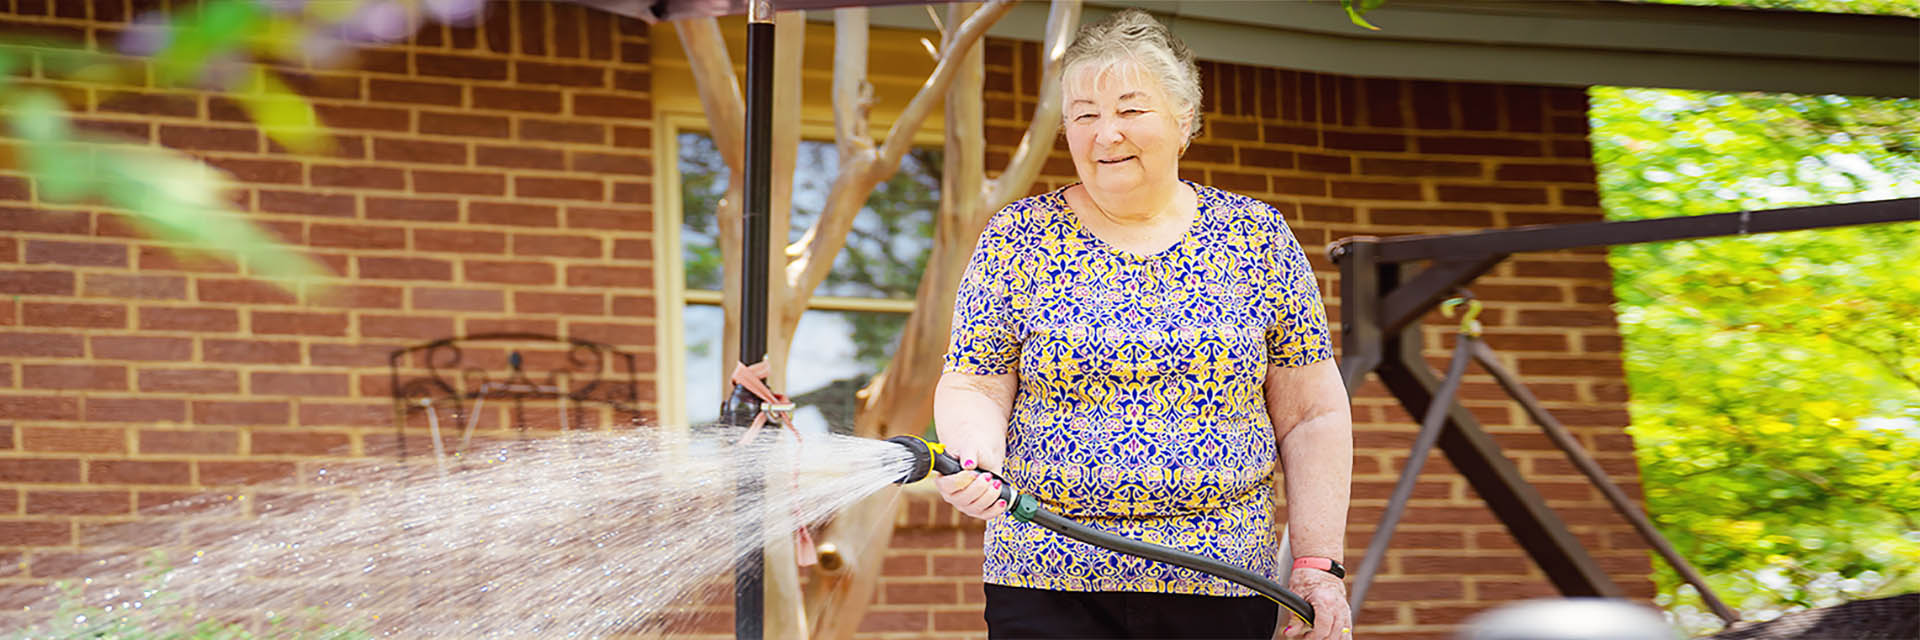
point(970, 415)
point(974, 492)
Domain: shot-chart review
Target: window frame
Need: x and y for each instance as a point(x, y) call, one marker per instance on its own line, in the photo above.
point(670, 271)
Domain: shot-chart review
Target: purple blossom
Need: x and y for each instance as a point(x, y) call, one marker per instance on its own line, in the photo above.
point(454, 12)
point(285, 7)
point(378, 21)
point(149, 34)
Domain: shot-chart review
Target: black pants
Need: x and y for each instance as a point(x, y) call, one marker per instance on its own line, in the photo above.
point(1021, 613)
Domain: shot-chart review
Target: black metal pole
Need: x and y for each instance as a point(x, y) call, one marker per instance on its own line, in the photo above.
point(1430, 426)
point(1459, 246)
point(1362, 343)
point(749, 589)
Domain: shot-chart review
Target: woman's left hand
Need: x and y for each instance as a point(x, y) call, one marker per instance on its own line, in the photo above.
point(1332, 619)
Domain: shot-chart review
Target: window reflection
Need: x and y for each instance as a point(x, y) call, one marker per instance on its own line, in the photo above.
point(837, 363)
point(703, 183)
point(886, 252)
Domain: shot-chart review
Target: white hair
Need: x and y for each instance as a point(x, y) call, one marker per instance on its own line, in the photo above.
point(1133, 36)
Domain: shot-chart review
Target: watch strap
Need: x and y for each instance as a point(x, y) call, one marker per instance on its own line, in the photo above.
point(1328, 565)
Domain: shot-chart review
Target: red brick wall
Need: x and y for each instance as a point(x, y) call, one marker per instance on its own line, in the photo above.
point(480, 171)
point(1344, 156)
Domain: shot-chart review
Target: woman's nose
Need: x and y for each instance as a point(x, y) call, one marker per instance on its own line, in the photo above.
point(1108, 131)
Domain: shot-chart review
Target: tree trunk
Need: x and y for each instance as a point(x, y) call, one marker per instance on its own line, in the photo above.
point(784, 616)
point(785, 612)
point(900, 399)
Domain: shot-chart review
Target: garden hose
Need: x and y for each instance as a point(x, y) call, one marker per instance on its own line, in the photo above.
point(930, 457)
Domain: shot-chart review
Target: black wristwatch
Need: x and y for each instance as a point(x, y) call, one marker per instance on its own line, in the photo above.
point(1328, 565)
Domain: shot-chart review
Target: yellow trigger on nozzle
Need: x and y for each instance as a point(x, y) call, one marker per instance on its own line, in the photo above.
point(934, 450)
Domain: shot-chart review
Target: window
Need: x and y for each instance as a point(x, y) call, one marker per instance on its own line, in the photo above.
point(854, 319)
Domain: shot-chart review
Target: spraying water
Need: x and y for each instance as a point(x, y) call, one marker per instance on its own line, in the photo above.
point(588, 535)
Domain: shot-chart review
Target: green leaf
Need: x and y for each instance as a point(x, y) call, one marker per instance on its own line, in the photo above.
point(64, 172)
point(284, 38)
point(40, 117)
point(284, 116)
point(216, 29)
point(1356, 10)
point(181, 200)
point(11, 58)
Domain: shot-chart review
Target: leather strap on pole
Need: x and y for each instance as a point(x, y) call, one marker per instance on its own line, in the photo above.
point(778, 409)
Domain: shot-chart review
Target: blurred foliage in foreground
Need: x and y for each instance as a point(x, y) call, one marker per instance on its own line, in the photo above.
point(1876, 7)
point(1776, 378)
point(234, 47)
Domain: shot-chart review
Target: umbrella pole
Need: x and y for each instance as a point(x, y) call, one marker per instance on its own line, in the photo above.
point(749, 589)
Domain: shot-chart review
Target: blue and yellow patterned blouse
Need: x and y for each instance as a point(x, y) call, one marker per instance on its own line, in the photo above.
point(1140, 407)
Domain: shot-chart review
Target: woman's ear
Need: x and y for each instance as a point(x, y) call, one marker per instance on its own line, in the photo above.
point(1186, 121)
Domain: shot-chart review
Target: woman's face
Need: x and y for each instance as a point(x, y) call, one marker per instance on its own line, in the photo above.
point(1122, 129)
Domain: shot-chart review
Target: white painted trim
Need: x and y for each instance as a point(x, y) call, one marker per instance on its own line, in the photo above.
point(823, 303)
point(670, 358)
point(1540, 42)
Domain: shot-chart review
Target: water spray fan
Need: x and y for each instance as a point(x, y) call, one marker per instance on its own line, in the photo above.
point(929, 457)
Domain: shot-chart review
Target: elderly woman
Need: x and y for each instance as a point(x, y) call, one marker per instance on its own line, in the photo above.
point(1138, 351)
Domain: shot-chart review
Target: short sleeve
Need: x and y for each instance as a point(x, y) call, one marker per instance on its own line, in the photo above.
point(985, 339)
point(1298, 336)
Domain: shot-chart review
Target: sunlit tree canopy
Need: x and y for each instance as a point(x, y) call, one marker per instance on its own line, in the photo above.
point(1775, 379)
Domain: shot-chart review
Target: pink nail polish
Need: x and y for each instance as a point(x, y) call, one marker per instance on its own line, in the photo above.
point(999, 503)
point(996, 484)
point(967, 462)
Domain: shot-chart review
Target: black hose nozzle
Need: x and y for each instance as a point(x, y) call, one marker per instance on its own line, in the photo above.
point(930, 457)
point(927, 458)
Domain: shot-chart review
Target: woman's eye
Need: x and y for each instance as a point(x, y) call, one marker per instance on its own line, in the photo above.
point(1132, 112)
point(1084, 117)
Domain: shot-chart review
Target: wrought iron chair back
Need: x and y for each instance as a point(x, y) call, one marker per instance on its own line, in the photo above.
point(451, 378)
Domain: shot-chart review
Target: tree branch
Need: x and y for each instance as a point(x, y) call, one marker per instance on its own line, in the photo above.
point(1062, 21)
point(811, 258)
point(784, 610)
point(852, 94)
point(1890, 363)
point(719, 87)
point(789, 43)
point(900, 136)
point(852, 101)
point(897, 400)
